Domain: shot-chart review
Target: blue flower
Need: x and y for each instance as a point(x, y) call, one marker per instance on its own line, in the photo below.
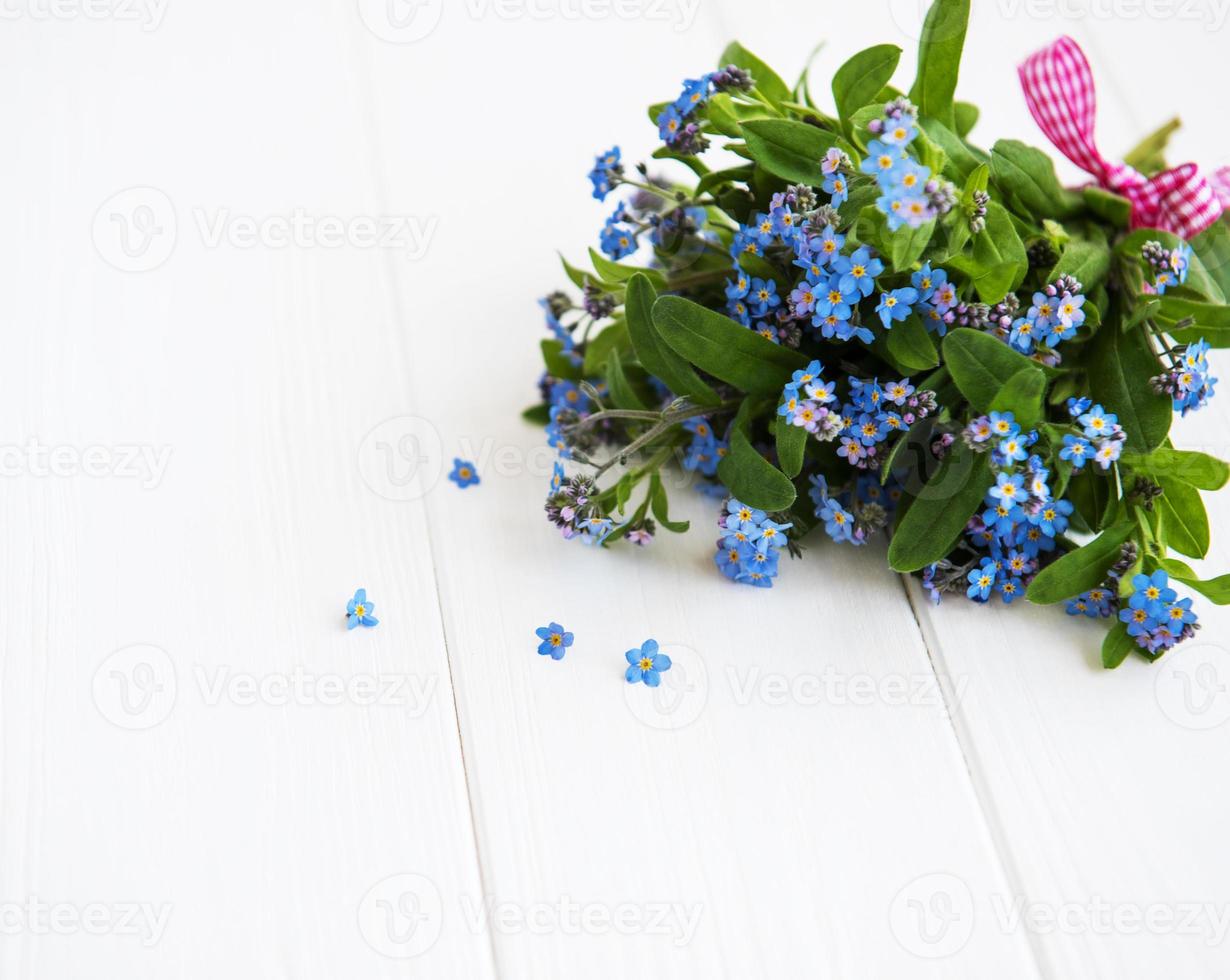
point(982, 580)
point(670, 122)
point(895, 306)
point(1053, 517)
point(1003, 424)
point(833, 300)
point(858, 271)
point(1008, 489)
point(1076, 450)
point(646, 664)
point(738, 287)
point(763, 296)
point(359, 611)
point(464, 473)
point(695, 94)
point(617, 240)
point(927, 282)
point(835, 184)
point(555, 642)
point(1079, 406)
point(838, 522)
point(607, 170)
point(826, 246)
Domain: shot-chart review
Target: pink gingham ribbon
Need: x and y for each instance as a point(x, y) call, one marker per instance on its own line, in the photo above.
point(1059, 88)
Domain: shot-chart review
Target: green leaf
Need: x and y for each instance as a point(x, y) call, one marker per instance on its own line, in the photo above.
point(1116, 646)
point(655, 355)
point(1212, 320)
point(1212, 247)
point(791, 441)
point(998, 263)
point(1023, 395)
point(622, 395)
point(1080, 570)
point(1198, 470)
point(1029, 175)
point(1149, 155)
point(1108, 206)
point(723, 348)
point(1217, 589)
point(909, 245)
point(598, 348)
point(558, 366)
point(1185, 523)
point(962, 158)
point(613, 272)
point(661, 513)
point(766, 79)
point(537, 414)
point(1086, 261)
point(981, 365)
point(967, 117)
point(910, 346)
point(939, 58)
point(752, 478)
point(792, 150)
point(860, 79)
point(938, 515)
point(1120, 366)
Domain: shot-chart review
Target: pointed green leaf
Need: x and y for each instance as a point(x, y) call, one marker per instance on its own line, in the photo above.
point(656, 356)
point(1080, 570)
point(939, 58)
point(725, 349)
point(859, 81)
point(937, 518)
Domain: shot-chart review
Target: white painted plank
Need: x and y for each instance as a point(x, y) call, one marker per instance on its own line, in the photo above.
point(789, 824)
point(264, 828)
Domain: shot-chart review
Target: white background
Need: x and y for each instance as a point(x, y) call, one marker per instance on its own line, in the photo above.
point(838, 781)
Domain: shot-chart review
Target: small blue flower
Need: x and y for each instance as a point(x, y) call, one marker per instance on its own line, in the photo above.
point(359, 611)
point(646, 664)
point(670, 122)
point(763, 296)
point(895, 306)
point(464, 473)
point(607, 170)
point(838, 522)
point(1079, 406)
point(982, 580)
point(1076, 450)
point(835, 184)
point(555, 641)
point(1098, 422)
point(858, 271)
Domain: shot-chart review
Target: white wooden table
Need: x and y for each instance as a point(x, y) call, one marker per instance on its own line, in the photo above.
point(223, 407)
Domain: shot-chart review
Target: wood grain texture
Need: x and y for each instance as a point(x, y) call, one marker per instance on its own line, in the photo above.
point(822, 788)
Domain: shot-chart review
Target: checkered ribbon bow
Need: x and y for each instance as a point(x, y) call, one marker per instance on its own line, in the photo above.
point(1059, 89)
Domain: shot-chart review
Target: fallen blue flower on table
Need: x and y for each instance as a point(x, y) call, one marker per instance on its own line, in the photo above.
point(359, 611)
point(646, 664)
point(464, 473)
point(555, 641)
